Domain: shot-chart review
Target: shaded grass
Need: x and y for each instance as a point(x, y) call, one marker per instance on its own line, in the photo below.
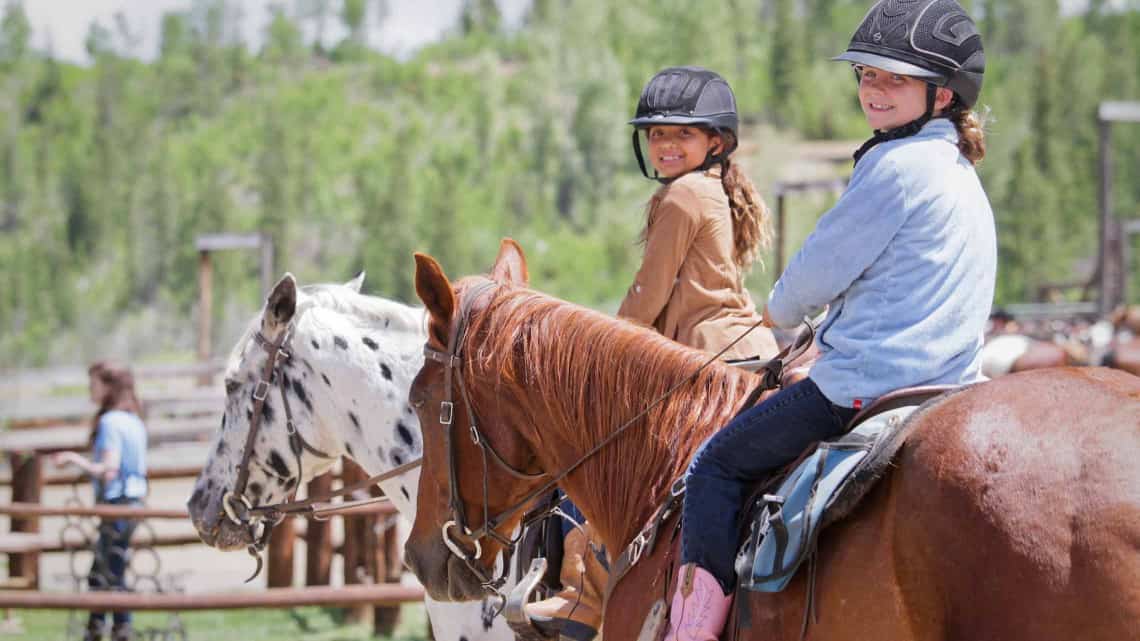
point(308, 623)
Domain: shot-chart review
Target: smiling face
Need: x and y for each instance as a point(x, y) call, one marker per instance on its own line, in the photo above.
point(891, 100)
point(675, 150)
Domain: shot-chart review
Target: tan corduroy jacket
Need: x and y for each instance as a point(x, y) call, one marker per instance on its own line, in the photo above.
point(688, 287)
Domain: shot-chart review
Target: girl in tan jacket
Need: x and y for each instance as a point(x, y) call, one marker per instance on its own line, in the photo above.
point(705, 224)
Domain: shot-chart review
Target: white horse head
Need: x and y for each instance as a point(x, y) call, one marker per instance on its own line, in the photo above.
point(351, 362)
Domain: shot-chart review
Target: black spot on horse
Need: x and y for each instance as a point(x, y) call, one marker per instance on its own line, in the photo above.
point(405, 434)
point(316, 345)
point(409, 411)
point(307, 365)
point(326, 380)
point(290, 483)
point(370, 343)
point(340, 342)
point(348, 448)
point(385, 371)
point(267, 411)
point(398, 456)
point(249, 415)
point(355, 421)
point(221, 449)
point(404, 491)
point(278, 464)
point(387, 322)
point(299, 390)
point(383, 456)
point(209, 484)
point(223, 422)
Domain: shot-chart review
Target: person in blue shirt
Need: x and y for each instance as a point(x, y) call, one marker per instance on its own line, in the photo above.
point(118, 472)
point(904, 264)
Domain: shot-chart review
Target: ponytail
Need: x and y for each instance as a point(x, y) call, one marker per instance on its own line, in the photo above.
point(971, 134)
point(751, 221)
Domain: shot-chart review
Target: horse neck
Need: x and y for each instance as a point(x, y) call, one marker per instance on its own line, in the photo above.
point(620, 486)
point(364, 408)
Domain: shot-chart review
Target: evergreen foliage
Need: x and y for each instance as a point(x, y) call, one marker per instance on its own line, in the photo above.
point(352, 160)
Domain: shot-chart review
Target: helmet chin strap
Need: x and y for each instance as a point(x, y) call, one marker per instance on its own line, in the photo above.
point(909, 129)
point(710, 160)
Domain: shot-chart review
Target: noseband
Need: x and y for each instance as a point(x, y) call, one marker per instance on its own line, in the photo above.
point(453, 373)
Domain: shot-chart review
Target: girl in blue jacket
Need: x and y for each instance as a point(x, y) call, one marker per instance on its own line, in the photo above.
point(904, 264)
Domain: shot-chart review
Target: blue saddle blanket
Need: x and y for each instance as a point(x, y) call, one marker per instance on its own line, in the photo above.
point(785, 524)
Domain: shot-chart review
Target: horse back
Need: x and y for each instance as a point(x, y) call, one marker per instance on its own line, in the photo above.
point(1018, 507)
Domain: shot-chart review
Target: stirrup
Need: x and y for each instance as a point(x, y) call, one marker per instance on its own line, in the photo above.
point(515, 612)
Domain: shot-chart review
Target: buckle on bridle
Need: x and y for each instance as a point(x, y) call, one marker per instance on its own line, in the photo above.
point(446, 412)
point(261, 390)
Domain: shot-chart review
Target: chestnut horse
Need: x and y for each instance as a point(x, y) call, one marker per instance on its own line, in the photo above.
point(1013, 513)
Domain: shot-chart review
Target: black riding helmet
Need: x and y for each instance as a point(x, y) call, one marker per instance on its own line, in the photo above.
point(934, 40)
point(687, 96)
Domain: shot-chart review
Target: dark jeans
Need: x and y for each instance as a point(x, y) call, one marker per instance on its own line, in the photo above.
point(112, 556)
point(728, 464)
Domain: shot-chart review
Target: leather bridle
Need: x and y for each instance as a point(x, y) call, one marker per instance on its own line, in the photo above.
point(260, 519)
point(452, 374)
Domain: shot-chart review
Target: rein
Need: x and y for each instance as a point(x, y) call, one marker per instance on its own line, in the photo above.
point(260, 519)
point(453, 371)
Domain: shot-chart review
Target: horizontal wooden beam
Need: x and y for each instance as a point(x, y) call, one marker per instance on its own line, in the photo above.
point(221, 242)
point(145, 375)
point(380, 594)
point(803, 186)
point(76, 438)
point(122, 511)
point(1119, 111)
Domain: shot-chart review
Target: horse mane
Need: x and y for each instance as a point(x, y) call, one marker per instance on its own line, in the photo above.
point(579, 374)
point(369, 310)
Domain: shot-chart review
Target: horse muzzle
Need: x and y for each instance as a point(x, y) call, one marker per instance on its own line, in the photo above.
point(445, 576)
point(214, 527)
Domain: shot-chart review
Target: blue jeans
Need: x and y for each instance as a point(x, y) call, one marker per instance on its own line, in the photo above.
point(112, 556)
point(727, 466)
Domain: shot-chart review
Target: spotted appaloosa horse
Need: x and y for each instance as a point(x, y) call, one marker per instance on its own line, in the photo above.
point(353, 359)
point(1013, 512)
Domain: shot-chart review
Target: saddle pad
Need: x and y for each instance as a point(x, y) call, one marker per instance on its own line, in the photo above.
point(786, 523)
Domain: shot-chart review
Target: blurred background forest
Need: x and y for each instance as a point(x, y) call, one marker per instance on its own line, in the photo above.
point(352, 159)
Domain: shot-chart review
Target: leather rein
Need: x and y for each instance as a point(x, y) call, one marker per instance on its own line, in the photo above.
point(260, 519)
point(452, 361)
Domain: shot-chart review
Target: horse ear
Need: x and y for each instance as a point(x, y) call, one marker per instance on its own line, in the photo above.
point(510, 266)
point(435, 291)
point(281, 304)
point(356, 283)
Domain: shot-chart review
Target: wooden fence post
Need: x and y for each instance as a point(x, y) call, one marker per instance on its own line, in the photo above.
point(318, 539)
point(27, 483)
point(281, 541)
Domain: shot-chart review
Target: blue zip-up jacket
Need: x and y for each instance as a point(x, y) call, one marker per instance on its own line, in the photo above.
point(906, 260)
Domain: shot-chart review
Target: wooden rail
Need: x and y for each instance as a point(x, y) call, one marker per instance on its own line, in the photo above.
point(378, 594)
point(120, 511)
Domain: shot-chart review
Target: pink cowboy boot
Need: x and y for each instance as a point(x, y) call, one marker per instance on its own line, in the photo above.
point(699, 608)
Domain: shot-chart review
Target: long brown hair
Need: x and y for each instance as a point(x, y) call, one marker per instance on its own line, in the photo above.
point(751, 220)
point(971, 134)
point(118, 392)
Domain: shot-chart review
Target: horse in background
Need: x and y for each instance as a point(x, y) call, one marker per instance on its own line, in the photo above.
point(1124, 352)
point(1013, 512)
point(352, 360)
